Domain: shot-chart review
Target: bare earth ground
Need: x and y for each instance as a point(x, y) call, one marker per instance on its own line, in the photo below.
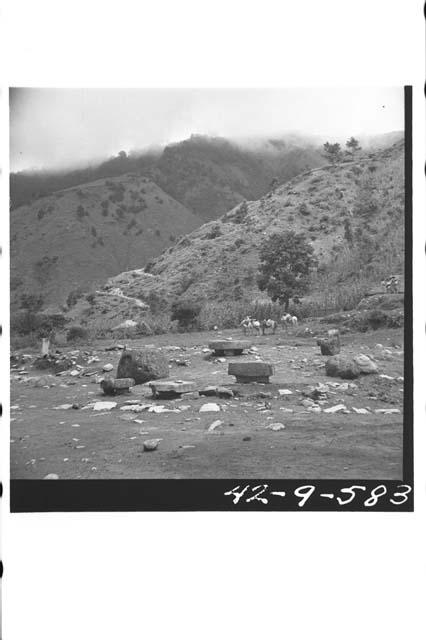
point(85, 444)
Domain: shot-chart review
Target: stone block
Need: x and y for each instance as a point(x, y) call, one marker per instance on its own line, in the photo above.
point(229, 347)
point(246, 372)
point(111, 386)
point(171, 388)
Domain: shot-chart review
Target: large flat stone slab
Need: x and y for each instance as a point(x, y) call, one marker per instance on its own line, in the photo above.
point(246, 372)
point(171, 388)
point(229, 347)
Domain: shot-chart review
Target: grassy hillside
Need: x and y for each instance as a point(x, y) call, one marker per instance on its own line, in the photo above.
point(211, 175)
point(207, 175)
point(352, 213)
point(78, 237)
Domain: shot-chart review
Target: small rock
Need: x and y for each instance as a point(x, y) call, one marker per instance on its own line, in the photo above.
point(214, 425)
point(335, 409)
point(365, 364)
point(151, 445)
point(209, 407)
point(246, 439)
point(136, 408)
point(314, 409)
point(104, 406)
point(361, 410)
point(162, 409)
point(275, 426)
point(108, 367)
point(387, 411)
point(285, 392)
point(51, 476)
point(63, 407)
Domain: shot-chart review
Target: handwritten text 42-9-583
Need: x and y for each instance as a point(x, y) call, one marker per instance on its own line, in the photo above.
point(364, 497)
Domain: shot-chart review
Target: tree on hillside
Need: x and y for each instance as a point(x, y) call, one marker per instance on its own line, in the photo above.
point(273, 184)
point(353, 145)
point(332, 152)
point(286, 263)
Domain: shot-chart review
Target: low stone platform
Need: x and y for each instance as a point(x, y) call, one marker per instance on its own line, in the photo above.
point(115, 386)
point(229, 347)
point(246, 372)
point(171, 388)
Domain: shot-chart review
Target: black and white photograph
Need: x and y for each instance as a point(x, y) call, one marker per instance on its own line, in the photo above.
point(208, 284)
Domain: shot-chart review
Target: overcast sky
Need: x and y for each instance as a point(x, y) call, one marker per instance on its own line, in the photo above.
point(56, 128)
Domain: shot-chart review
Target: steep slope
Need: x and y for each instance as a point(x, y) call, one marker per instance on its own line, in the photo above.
point(211, 175)
point(352, 213)
point(78, 237)
point(207, 175)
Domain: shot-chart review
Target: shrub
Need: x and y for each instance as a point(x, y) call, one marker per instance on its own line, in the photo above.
point(214, 232)
point(186, 313)
point(76, 333)
point(73, 297)
point(377, 319)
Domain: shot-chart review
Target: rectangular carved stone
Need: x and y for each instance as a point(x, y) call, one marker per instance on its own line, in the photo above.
point(256, 371)
point(229, 347)
point(112, 386)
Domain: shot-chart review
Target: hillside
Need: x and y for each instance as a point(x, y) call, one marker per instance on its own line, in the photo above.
point(207, 175)
point(352, 213)
point(211, 175)
point(78, 237)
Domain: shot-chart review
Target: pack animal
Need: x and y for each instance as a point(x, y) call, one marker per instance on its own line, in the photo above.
point(288, 320)
point(268, 324)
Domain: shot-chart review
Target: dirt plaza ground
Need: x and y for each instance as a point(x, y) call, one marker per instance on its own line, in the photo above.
point(82, 443)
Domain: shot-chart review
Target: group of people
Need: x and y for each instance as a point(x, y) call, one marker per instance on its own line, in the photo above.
point(251, 325)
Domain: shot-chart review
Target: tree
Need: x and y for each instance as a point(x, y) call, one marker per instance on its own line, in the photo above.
point(274, 184)
point(286, 263)
point(332, 152)
point(353, 145)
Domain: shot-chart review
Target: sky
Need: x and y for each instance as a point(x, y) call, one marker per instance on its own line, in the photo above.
point(60, 128)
